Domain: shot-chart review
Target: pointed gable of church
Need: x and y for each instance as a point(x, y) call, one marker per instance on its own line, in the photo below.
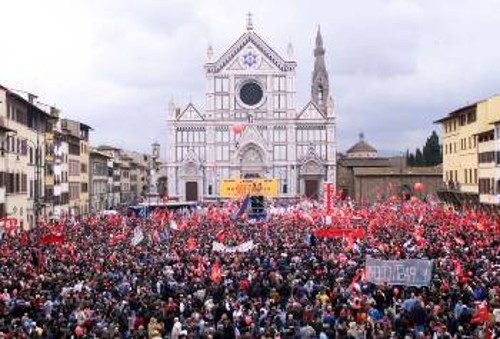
point(190, 113)
point(311, 112)
point(250, 40)
point(252, 135)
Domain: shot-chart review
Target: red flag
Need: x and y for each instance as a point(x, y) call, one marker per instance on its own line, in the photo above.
point(350, 243)
point(191, 244)
point(112, 240)
point(215, 274)
point(45, 239)
point(116, 238)
point(57, 238)
point(91, 221)
point(459, 271)
point(358, 233)
point(182, 225)
point(164, 217)
point(220, 236)
point(58, 228)
point(112, 257)
point(71, 250)
point(24, 239)
point(308, 218)
point(481, 314)
point(445, 286)
point(355, 279)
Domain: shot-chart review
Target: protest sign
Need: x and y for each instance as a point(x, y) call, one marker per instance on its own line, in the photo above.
point(244, 247)
point(409, 272)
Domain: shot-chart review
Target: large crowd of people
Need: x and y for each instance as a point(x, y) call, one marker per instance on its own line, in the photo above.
point(160, 276)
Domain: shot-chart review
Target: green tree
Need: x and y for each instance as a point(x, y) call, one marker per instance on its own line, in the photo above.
point(430, 155)
point(419, 158)
point(410, 158)
point(432, 150)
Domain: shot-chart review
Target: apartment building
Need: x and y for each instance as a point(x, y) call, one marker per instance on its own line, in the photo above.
point(98, 180)
point(77, 135)
point(116, 183)
point(114, 174)
point(128, 173)
point(49, 143)
point(139, 172)
point(489, 164)
point(469, 153)
point(61, 171)
point(23, 126)
point(125, 193)
point(84, 168)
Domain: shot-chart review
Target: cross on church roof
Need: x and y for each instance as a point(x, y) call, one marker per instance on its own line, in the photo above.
point(249, 21)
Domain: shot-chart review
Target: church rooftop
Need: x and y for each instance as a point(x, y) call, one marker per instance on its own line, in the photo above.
point(361, 146)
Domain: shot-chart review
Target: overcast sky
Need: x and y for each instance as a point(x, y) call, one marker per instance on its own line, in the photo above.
point(395, 66)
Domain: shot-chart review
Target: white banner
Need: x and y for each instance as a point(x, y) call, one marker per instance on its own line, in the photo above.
point(328, 220)
point(173, 225)
point(138, 237)
point(244, 247)
point(408, 272)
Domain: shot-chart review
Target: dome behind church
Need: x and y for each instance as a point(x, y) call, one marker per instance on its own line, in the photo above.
point(361, 149)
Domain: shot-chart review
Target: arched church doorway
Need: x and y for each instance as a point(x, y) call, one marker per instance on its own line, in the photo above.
point(311, 188)
point(191, 191)
point(312, 172)
point(252, 161)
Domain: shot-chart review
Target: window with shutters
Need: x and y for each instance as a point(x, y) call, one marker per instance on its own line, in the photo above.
point(24, 183)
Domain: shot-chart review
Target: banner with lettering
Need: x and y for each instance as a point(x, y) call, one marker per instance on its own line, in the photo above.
point(409, 272)
point(328, 194)
point(244, 247)
point(237, 188)
point(331, 232)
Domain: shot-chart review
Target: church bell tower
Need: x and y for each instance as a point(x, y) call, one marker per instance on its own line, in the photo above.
point(320, 86)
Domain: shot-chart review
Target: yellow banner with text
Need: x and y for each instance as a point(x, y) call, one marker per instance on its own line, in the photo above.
point(236, 188)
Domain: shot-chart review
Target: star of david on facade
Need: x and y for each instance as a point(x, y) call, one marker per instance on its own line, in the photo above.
point(250, 59)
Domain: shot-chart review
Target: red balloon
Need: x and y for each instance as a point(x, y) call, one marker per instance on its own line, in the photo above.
point(414, 200)
point(237, 129)
point(418, 187)
point(79, 331)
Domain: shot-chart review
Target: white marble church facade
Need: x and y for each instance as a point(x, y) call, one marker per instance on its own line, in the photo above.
point(251, 85)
